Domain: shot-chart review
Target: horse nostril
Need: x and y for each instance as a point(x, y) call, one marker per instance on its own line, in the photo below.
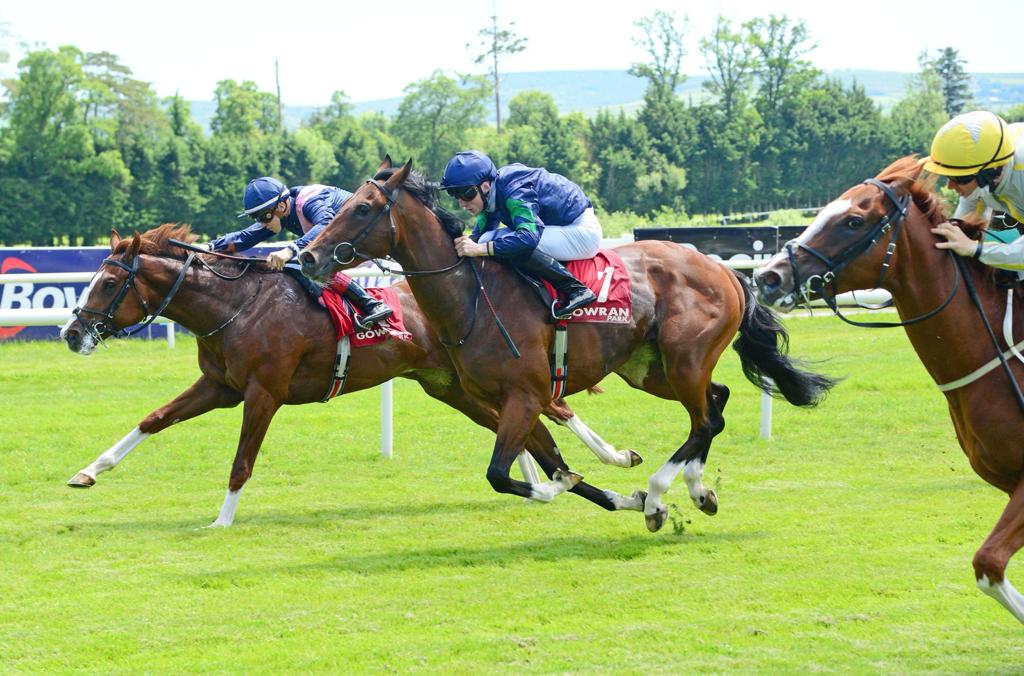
point(307, 259)
point(768, 280)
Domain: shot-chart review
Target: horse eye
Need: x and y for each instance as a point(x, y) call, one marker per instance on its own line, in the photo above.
point(855, 222)
point(109, 283)
point(362, 210)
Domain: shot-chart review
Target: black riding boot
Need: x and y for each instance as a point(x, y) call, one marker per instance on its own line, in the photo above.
point(545, 267)
point(372, 310)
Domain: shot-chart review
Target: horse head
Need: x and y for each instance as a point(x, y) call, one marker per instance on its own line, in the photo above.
point(112, 300)
point(850, 245)
point(364, 228)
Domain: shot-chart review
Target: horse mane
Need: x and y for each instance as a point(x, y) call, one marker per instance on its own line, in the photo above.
point(154, 241)
point(922, 190)
point(420, 188)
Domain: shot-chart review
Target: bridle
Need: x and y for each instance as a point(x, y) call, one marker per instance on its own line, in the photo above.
point(107, 316)
point(891, 222)
point(353, 253)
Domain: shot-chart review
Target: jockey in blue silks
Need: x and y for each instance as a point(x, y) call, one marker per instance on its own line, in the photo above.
point(530, 217)
point(304, 210)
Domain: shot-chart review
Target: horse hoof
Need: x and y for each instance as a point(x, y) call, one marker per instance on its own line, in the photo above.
point(568, 476)
point(81, 480)
point(657, 520)
point(634, 458)
point(709, 504)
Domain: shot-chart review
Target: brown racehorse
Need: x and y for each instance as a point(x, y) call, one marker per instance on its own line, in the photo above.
point(262, 341)
point(851, 245)
point(686, 309)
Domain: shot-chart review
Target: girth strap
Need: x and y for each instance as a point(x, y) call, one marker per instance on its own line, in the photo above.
point(341, 362)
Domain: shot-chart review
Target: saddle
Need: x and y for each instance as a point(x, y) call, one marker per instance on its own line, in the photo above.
point(606, 275)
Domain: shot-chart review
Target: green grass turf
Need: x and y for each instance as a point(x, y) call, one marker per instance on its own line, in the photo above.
point(842, 545)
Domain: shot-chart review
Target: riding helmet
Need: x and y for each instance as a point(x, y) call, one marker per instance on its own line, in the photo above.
point(468, 168)
point(262, 193)
point(969, 143)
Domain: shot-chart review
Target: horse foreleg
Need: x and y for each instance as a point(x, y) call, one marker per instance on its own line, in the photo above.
point(543, 447)
point(260, 407)
point(1002, 543)
point(559, 412)
point(517, 419)
point(689, 459)
point(203, 396)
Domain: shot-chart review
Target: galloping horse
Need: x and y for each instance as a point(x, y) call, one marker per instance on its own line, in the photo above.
point(263, 342)
point(686, 309)
point(877, 234)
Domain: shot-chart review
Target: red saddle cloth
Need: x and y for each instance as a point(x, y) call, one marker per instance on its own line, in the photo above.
point(606, 275)
point(341, 316)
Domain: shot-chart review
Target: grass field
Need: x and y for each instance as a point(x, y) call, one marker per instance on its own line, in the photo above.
point(842, 545)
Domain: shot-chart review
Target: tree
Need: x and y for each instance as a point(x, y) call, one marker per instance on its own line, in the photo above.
point(916, 117)
point(434, 115)
point(662, 38)
point(497, 43)
point(729, 60)
point(956, 83)
point(781, 70)
point(540, 138)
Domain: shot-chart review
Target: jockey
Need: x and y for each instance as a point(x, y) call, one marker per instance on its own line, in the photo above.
point(530, 217)
point(304, 210)
point(982, 158)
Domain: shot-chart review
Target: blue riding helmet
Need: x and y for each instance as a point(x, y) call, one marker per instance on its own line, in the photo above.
point(262, 193)
point(468, 168)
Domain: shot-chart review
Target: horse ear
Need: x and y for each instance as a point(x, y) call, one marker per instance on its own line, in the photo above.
point(398, 178)
point(133, 248)
point(385, 163)
point(115, 238)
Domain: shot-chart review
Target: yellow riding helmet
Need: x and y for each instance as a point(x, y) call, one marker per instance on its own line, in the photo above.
point(969, 143)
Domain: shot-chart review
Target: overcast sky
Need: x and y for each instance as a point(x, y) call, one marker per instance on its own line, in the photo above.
point(371, 50)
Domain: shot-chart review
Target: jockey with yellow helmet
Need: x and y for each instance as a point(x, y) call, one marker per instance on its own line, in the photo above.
point(303, 210)
point(982, 158)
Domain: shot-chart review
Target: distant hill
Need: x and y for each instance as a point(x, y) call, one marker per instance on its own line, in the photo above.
point(588, 91)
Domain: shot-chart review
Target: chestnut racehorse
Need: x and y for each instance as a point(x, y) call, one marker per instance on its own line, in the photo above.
point(263, 342)
point(686, 308)
point(877, 234)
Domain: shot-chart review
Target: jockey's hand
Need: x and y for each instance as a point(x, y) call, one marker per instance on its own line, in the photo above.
point(467, 247)
point(277, 259)
point(956, 240)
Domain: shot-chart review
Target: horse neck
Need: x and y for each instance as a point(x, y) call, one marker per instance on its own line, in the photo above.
point(202, 302)
point(922, 281)
point(446, 298)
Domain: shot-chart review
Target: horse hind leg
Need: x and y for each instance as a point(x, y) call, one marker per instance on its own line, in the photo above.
point(559, 412)
point(994, 555)
point(706, 422)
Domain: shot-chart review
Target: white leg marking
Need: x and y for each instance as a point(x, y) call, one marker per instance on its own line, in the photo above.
point(1004, 592)
point(115, 454)
point(633, 502)
point(549, 490)
point(527, 467)
point(605, 452)
point(693, 473)
point(227, 510)
point(659, 484)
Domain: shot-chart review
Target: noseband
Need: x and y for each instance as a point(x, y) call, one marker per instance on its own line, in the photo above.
point(107, 316)
point(892, 221)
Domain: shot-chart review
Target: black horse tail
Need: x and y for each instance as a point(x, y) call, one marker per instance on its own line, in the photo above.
point(763, 346)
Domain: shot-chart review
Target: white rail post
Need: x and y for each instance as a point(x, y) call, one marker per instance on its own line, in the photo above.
point(386, 437)
point(170, 335)
point(766, 415)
